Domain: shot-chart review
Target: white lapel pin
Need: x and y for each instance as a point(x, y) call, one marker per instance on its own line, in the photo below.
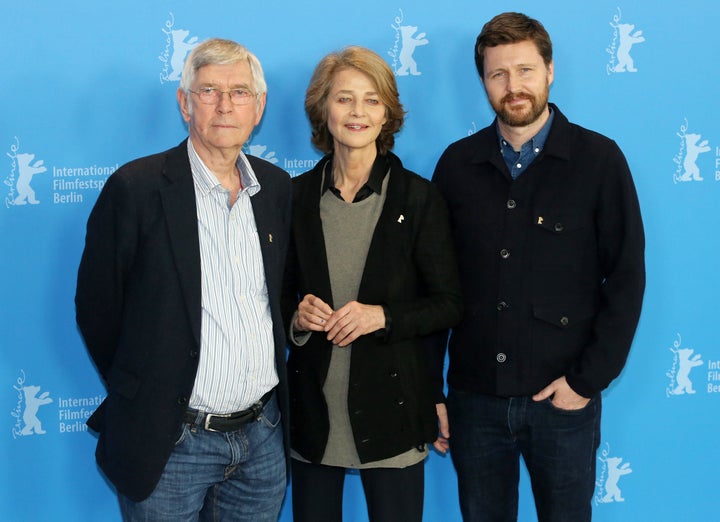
point(401, 218)
point(270, 237)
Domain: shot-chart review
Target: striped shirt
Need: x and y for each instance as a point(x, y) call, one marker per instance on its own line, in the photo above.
point(237, 356)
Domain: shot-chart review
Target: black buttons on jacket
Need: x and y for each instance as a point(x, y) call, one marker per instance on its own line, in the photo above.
point(504, 253)
point(502, 305)
point(501, 357)
point(511, 204)
point(182, 400)
point(559, 227)
point(564, 321)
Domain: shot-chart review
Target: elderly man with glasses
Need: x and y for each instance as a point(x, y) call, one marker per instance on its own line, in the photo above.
point(178, 300)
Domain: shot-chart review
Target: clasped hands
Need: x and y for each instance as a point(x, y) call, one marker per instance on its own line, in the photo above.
point(343, 325)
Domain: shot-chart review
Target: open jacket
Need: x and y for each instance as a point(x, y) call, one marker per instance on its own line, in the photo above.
point(410, 269)
point(138, 306)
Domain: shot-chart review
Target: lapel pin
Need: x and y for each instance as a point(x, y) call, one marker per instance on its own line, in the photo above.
point(270, 237)
point(540, 220)
point(401, 218)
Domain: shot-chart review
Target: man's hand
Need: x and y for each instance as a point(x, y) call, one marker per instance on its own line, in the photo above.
point(563, 396)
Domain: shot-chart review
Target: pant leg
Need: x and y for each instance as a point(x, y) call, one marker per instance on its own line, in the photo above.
point(197, 462)
point(254, 482)
point(394, 494)
point(235, 477)
point(317, 492)
point(560, 454)
point(485, 455)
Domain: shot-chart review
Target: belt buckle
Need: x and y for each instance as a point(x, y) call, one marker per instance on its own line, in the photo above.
point(209, 417)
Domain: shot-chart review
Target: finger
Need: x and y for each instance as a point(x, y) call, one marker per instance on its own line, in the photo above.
point(338, 319)
point(441, 445)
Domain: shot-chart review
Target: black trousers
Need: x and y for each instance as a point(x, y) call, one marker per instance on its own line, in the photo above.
point(392, 494)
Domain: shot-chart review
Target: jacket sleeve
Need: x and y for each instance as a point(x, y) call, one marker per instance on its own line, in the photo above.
point(110, 243)
point(621, 253)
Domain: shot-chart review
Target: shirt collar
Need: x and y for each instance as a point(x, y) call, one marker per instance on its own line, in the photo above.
point(206, 181)
point(537, 142)
point(379, 169)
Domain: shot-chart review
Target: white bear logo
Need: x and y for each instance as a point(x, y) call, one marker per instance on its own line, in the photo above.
point(259, 152)
point(32, 405)
point(687, 361)
point(627, 40)
point(27, 170)
point(408, 65)
point(180, 49)
point(695, 147)
point(615, 471)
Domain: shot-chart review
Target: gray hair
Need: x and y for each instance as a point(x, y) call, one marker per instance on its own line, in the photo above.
point(217, 51)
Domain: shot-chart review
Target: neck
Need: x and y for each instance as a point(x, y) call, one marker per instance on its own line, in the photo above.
point(352, 166)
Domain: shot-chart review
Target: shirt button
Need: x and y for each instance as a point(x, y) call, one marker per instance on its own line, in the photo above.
point(501, 357)
point(519, 165)
point(504, 253)
point(511, 203)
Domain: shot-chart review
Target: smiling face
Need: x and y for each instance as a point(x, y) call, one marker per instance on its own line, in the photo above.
point(355, 113)
point(517, 82)
point(221, 127)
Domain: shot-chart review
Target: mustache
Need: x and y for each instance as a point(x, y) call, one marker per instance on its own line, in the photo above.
point(517, 96)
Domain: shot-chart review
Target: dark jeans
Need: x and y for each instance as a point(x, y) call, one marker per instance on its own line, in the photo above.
point(392, 494)
point(488, 436)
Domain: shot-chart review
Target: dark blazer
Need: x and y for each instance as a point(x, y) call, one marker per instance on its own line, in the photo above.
point(410, 268)
point(138, 306)
point(552, 264)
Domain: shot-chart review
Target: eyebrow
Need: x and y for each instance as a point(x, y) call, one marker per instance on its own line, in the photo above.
point(348, 91)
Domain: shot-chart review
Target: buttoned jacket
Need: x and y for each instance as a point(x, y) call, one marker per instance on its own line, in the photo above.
point(551, 264)
point(138, 306)
point(410, 269)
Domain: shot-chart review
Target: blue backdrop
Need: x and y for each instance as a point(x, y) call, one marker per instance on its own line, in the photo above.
point(88, 86)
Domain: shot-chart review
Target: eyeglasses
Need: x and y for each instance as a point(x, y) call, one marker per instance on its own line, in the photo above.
point(211, 95)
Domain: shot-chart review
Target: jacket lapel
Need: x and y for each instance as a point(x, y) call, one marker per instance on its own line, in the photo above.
point(178, 201)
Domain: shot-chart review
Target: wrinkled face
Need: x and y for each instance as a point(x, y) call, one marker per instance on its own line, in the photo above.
point(517, 82)
point(221, 127)
point(355, 113)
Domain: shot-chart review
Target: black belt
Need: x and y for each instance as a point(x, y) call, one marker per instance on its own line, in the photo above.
point(227, 421)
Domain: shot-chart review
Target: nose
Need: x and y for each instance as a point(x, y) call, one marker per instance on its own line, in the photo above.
point(224, 104)
point(358, 108)
point(512, 82)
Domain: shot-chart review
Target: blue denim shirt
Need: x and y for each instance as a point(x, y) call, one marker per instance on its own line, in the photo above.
point(517, 162)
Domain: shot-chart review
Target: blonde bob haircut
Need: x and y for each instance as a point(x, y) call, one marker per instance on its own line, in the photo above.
point(382, 77)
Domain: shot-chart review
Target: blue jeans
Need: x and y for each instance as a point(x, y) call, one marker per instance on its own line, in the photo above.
point(488, 436)
point(234, 476)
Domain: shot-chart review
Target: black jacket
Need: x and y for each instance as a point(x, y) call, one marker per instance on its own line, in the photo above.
point(411, 269)
point(138, 306)
point(552, 264)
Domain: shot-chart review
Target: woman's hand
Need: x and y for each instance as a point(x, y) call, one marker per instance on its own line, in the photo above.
point(313, 314)
point(353, 320)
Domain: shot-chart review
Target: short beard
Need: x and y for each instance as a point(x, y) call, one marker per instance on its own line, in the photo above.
point(522, 119)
